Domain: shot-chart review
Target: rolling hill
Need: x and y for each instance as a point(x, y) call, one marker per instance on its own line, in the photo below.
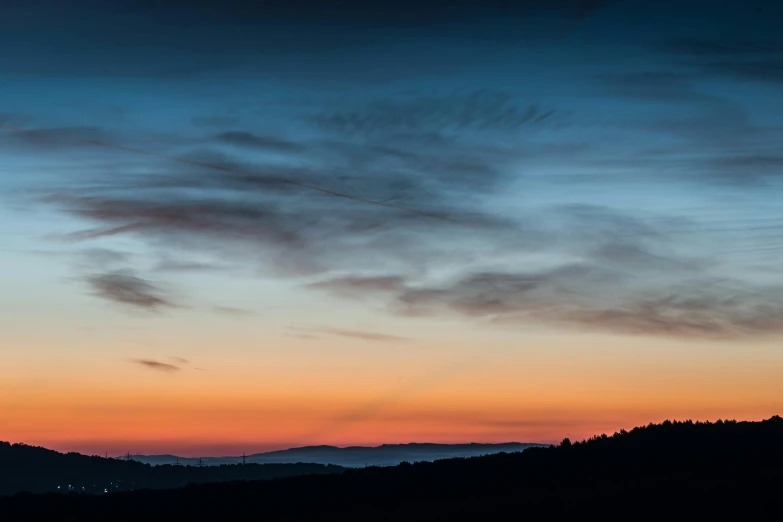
point(672, 471)
point(37, 470)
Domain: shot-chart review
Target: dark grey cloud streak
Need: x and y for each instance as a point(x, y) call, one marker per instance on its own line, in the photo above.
point(128, 289)
point(158, 366)
point(175, 364)
point(695, 309)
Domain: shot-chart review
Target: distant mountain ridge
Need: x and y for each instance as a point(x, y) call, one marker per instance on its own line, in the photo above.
point(351, 456)
point(25, 468)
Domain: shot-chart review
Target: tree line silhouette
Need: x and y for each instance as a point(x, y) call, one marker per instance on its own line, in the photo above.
point(673, 470)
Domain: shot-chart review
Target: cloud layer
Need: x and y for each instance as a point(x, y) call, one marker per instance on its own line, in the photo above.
point(624, 184)
point(600, 269)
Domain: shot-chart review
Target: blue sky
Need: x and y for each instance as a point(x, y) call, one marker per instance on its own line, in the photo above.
point(367, 173)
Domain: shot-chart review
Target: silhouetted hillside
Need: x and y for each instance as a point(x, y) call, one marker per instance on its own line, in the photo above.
point(672, 471)
point(352, 456)
point(34, 469)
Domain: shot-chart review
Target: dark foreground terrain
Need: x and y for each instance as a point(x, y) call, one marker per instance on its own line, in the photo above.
point(34, 469)
point(671, 471)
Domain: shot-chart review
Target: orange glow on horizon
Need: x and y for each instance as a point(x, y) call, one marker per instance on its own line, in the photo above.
point(540, 395)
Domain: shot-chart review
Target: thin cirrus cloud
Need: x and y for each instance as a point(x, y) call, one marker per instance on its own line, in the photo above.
point(710, 138)
point(694, 309)
point(479, 110)
point(49, 138)
point(359, 286)
point(232, 311)
point(314, 332)
point(751, 60)
point(175, 364)
point(157, 366)
point(254, 141)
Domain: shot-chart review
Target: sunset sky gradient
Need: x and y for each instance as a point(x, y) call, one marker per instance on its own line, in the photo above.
point(344, 223)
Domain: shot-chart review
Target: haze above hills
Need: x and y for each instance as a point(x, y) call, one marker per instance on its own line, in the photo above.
point(349, 457)
point(25, 468)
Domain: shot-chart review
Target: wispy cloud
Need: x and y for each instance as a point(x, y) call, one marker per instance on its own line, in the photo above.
point(298, 230)
point(358, 286)
point(624, 278)
point(128, 289)
point(55, 137)
point(158, 366)
point(248, 139)
point(315, 331)
point(232, 311)
point(589, 299)
point(180, 266)
point(754, 60)
point(725, 47)
point(481, 110)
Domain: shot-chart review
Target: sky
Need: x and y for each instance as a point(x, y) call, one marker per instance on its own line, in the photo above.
point(235, 228)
